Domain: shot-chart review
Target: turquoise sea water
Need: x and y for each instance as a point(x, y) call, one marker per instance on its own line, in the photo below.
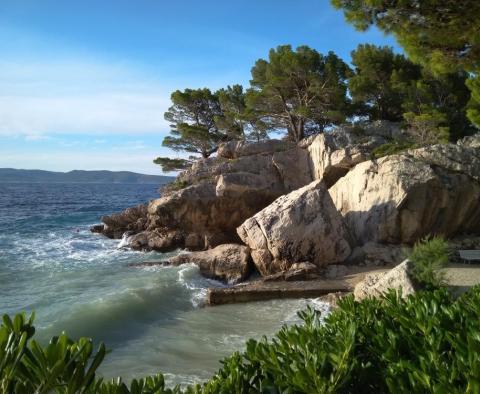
point(153, 319)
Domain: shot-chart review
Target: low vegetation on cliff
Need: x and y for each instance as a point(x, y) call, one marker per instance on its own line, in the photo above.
point(427, 343)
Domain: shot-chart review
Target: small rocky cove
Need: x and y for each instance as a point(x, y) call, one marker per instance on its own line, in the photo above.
point(311, 218)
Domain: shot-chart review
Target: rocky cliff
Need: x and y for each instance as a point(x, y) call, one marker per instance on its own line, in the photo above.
point(322, 201)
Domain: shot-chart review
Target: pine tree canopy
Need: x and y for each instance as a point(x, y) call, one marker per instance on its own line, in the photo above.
point(300, 91)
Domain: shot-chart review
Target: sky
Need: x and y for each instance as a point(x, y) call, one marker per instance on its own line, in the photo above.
point(84, 84)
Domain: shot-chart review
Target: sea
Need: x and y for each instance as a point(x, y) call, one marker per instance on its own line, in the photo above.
point(151, 319)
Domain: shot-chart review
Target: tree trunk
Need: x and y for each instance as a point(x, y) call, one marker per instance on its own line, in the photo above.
point(296, 128)
point(299, 130)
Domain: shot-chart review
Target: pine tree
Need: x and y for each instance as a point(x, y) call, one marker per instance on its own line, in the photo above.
point(442, 35)
point(300, 91)
point(380, 80)
point(238, 121)
point(192, 122)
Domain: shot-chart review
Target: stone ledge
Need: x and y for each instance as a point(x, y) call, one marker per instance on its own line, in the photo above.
point(262, 291)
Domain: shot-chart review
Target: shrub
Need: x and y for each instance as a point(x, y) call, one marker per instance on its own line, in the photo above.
point(63, 366)
point(177, 184)
point(426, 343)
point(429, 256)
point(391, 148)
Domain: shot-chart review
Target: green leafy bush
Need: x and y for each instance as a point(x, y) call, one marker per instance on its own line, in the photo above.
point(427, 343)
point(429, 256)
point(63, 366)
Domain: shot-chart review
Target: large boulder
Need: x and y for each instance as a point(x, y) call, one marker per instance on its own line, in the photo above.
point(377, 284)
point(230, 263)
point(303, 225)
point(402, 198)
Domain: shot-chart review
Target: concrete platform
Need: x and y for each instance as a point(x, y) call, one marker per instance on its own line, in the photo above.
point(262, 291)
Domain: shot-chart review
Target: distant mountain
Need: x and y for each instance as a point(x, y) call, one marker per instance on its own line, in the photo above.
point(78, 176)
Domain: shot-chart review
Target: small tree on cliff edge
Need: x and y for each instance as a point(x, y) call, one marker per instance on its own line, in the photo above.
point(192, 122)
point(200, 120)
point(442, 35)
point(192, 126)
point(300, 91)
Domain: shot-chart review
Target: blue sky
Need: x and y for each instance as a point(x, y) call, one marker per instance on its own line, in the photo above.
point(84, 84)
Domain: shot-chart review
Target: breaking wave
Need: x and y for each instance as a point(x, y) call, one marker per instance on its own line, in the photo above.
point(153, 318)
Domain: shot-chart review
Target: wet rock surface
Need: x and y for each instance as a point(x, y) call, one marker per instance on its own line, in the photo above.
point(230, 263)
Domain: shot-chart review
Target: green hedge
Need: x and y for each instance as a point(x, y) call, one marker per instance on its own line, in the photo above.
point(428, 343)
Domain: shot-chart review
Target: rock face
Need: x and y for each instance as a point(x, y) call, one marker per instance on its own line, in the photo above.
point(454, 158)
point(230, 263)
point(375, 254)
point(470, 142)
point(303, 225)
point(329, 160)
point(211, 199)
point(331, 156)
point(132, 219)
point(165, 240)
point(310, 203)
point(236, 149)
point(376, 284)
point(402, 198)
point(217, 195)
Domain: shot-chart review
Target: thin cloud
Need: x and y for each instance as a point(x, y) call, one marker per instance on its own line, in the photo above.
point(105, 113)
point(79, 95)
point(36, 137)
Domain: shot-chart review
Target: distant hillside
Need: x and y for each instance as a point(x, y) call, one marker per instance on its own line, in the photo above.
point(77, 176)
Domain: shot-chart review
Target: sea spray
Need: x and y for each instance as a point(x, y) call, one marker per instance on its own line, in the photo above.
point(125, 241)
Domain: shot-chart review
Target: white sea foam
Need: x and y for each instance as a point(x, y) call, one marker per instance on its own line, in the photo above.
point(82, 283)
point(189, 276)
point(124, 242)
